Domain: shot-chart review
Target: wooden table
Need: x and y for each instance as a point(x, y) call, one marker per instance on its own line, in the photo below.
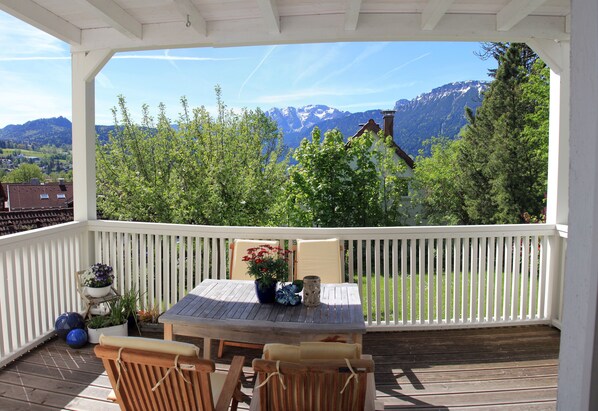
point(229, 310)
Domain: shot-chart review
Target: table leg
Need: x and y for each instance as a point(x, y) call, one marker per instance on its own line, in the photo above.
point(207, 348)
point(168, 332)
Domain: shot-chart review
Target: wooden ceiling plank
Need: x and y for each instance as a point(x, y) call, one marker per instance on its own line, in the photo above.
point(270, 14)
point(196, 19)
point(43, 19)
point(433, 12)
point(514, 12)
point(352, 14)
point(118, 18)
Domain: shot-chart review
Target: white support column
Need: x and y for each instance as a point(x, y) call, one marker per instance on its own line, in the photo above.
point(85, 66)
point(578, 363)
point(557, 56)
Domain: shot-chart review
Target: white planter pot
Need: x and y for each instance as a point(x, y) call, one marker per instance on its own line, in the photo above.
point(97, 292)
point(116, 330)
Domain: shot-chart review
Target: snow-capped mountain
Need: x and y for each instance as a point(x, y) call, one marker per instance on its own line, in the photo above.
point(441, 112)
point(291, 119)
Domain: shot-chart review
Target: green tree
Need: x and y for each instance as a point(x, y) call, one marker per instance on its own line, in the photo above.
point(24, 173)
point(500, 166)
point(437, 183)
point(338, 184)
point(223, 170)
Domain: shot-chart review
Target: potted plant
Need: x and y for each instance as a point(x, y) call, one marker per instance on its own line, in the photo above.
point(113, 323)
point(130, 300)
point(268, 265)
point(98, 279)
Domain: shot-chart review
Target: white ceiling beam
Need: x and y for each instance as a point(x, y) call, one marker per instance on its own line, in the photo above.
point(352, 14)
point(433, 12)
point(514, 12)
point(196, 20)
point(553, 53)
point(118, 18)
point(325, 28)
point(270, 14)
point(43, 19)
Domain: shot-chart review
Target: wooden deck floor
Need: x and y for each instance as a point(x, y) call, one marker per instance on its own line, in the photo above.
point(498, 368)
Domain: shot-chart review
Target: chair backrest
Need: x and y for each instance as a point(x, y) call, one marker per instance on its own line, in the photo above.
point(321, 258)
point(318, 385)
point(238, 267)
point(136, 366)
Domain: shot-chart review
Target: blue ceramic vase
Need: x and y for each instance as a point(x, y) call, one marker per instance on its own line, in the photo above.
point(265, 295)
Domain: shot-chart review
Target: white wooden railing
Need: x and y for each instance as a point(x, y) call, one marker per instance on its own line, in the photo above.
point(410, 277)
point(37, 284)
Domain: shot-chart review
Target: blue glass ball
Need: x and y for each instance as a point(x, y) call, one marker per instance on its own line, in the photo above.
point(67, 322)
point(76, 338)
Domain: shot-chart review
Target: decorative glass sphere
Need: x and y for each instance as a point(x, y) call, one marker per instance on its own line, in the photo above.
point(67, 322)
point(76, 338)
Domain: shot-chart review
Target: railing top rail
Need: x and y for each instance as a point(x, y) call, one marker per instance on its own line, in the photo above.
point(341, 232)
point(18, 239)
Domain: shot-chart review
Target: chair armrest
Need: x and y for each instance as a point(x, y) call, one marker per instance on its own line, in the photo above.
point(233, 378)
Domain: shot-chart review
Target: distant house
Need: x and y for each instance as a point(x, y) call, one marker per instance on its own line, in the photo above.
point(399, 155)
point(25, 206)
point(36, 196)
point(372, 126)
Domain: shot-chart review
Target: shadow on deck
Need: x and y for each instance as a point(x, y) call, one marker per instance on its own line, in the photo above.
point(492, 368)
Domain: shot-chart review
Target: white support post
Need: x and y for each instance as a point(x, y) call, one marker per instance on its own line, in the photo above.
point(578, 360)
point(85, 66)
point(557, 56)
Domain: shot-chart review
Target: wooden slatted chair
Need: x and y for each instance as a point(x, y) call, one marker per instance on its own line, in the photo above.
point(314, 377)
point(149, 374)
point(238, 271)
point(320, 257)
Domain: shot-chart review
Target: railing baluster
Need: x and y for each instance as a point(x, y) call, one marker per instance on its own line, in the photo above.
point(465, 281)
point(430, 281)
point(360, 270)
point(395, 279)
point(542, 279)
point(412, 285)
point(447, 278)
point(533, 302)
point(377, 273)
point(473, 283)
point(439, 273)
point(173, 271)
point(368, 283)
point(524, 277)
point(482, 274)
point(456, 280)
point(421, 275)
point(351, 245)
point(499, 280)
point(403, 281)
point(386, 245)
point(490, 265)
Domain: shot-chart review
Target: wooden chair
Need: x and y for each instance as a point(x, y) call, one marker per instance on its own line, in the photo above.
point(149, 374)
point(320, 257)
point(324, 385)
point(316, 376)
point(238, 271)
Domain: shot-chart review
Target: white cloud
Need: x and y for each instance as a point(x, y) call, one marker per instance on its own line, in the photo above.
point(400, 66)
point(21, 39)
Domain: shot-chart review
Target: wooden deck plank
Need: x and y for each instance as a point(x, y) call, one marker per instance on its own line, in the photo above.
point(499, 369)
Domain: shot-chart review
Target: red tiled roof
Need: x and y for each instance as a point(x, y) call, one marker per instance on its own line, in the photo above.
point(38, 196)
point(17, 221)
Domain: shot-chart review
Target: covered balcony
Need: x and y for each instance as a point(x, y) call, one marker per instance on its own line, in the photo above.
point(425, 290)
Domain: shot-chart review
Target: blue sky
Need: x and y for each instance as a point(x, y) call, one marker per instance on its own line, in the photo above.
point(35, 75)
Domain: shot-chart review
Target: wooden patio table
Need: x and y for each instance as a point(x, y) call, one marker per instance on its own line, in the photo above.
point(229, 310)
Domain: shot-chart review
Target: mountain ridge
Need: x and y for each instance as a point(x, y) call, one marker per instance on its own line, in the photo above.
point(440, 112)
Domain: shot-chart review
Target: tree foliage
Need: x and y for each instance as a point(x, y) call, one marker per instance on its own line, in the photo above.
point(338, 184)
point(24, 174)
point(222, 170)
point(500, 164)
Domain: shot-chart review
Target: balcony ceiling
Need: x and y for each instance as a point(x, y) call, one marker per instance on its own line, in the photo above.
point(153, 24)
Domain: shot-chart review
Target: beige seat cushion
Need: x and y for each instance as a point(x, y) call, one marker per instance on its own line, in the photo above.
point(282, 352)
point(151, 344)
point(310, 351)
point(238, 266)
point(321, 258)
